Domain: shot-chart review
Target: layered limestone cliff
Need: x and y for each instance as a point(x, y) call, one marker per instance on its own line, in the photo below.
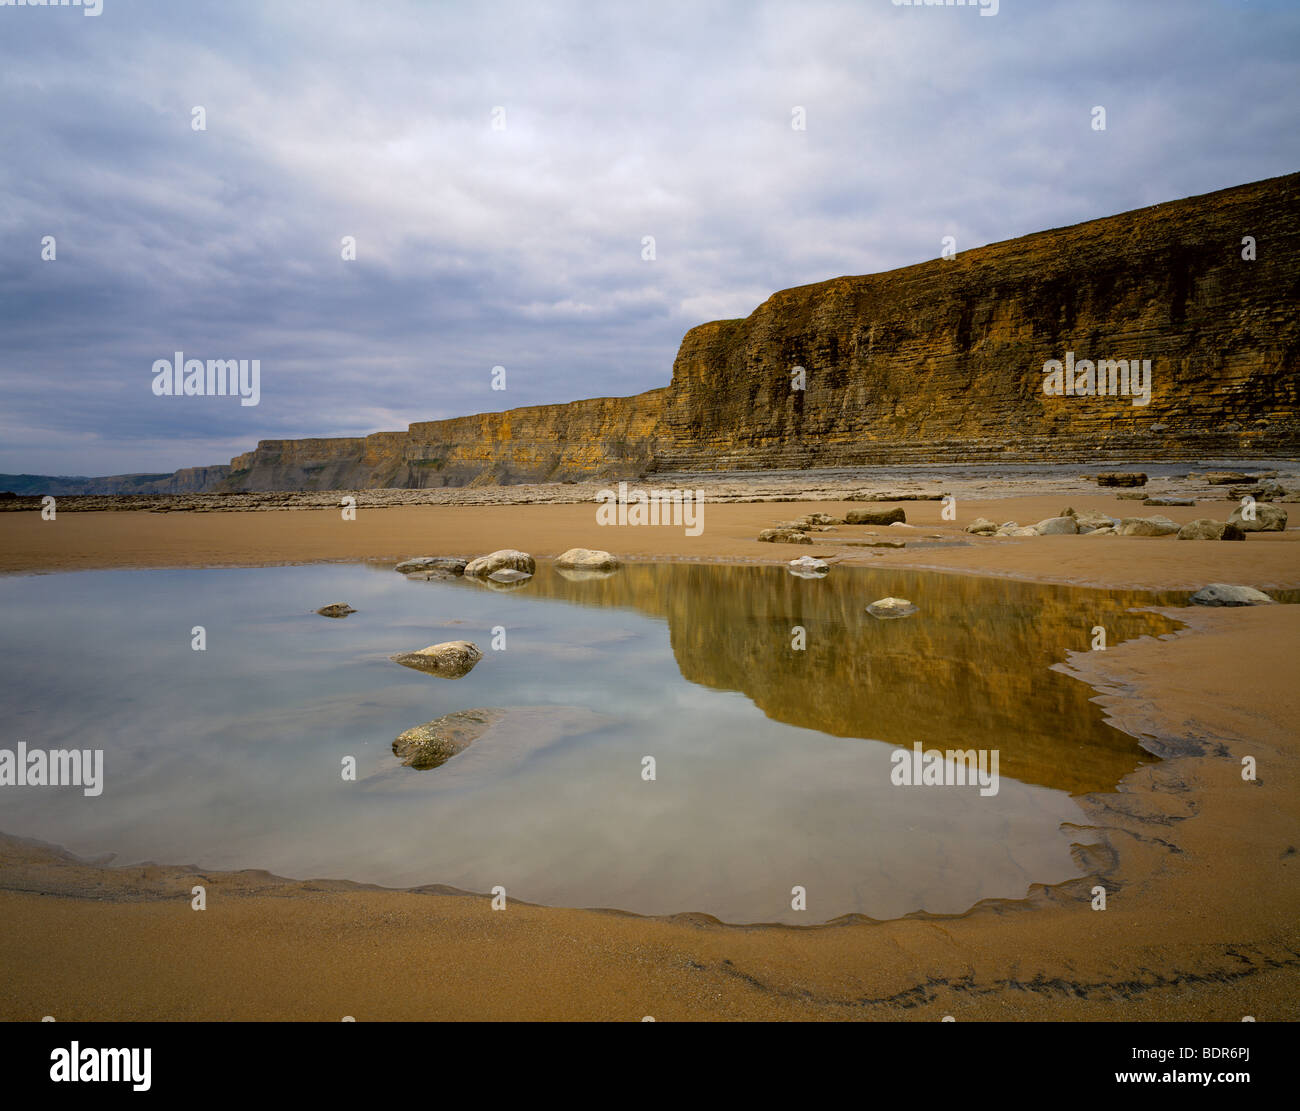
point(938, 362)
point(944, 361)
point(605, 436)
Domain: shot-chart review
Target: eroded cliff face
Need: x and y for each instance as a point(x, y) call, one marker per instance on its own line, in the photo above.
point(601, 437)
point(944, 360)
point(937, 362)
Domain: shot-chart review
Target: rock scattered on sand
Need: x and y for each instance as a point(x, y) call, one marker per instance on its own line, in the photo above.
point(1057, 526)
point(337, 609)
point(784, 536)
point(981, 526)
point(450, 564)
point(450, 660)
point(1128, 495)
point(1204, 528)
point(435, 742)
point(1107, 531)
point(1088, 521)
point(507, 559)
point(863, 495)
point(1226, 478)
point(1261, 491)
point(1268, 518)
point(892, 607)
point(1169, 501)
point(1147, 526)
point(809, 567)
point(1121, 478)
point(1225, 594)
point(875, 516)
point(587, 559)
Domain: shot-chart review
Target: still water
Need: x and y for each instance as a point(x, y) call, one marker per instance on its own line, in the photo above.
point(772, 764)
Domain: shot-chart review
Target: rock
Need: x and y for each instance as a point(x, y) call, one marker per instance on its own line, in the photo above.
point(432, 563)
point(784, 536)
point(586, 559)
point(435, 742)
point(1226, 478)
point(1261, 491)
point(891, 607)
point(1089, 521)
point(1121, 478)
point(804, 524)
point(509, 575)
point(450, 660)
point(863, 495)
point(1057, 526)
point(1108, 531)
point(507, 559)
point(1268, 518)
point(807, 567)
point(578, 575)
point(980, 526)
point(1206, 529)
point(874, 516)
point(880, 543)
point(1224, 594)
point(1027, 530)
point(1169, 501)
point(1129, 496)
point(1147, 526)
point(338, 609)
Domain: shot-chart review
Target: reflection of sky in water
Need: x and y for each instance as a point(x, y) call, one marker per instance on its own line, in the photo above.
point(231, 758)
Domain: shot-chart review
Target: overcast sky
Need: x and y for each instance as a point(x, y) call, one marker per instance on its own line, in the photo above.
point(522, 246)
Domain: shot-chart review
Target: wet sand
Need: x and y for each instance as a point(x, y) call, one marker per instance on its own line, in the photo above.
point(1201, 867)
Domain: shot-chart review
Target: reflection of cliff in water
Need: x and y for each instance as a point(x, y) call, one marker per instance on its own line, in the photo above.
point(970, 670)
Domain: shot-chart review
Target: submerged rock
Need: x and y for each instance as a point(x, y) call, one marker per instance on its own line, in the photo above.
point(506, 559)
point(1203, 528)
point(435, 742)
point(450, 564)
point(1268, 518)
point(450, 660)
point(587, 559)
point(892, 607)
point(1225, 594)
point(874, 516)
point(578, 574)
point(507, 575)
point(337, 609)
point(809, 567)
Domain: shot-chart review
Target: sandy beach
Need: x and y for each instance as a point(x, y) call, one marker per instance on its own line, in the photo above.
point(1200, 866)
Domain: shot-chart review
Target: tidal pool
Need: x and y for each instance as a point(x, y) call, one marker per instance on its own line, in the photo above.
point(772, 763)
